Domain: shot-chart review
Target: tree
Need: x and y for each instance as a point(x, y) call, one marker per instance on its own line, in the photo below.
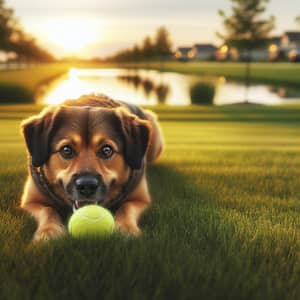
point(298, 20)
point(159, 47)
point(246, 28)
point(7, 26)
point(147, 48)
point(13, 38)
point(136, 52)
point(162, 44)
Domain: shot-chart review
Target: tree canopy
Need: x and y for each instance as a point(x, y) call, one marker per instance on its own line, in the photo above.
point(7, 26)
point(162, 43)
point(246, 28)
point(13, 38)
point(158, 47)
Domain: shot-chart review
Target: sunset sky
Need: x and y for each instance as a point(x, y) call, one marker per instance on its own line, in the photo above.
point(98, 28)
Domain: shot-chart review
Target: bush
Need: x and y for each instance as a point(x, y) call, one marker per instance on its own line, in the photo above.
point(13, 93)
point(202, 93)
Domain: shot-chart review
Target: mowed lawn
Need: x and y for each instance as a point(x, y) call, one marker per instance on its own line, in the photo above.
point(224, 223)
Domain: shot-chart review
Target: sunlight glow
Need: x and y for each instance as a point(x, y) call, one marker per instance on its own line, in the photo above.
point(72, 34)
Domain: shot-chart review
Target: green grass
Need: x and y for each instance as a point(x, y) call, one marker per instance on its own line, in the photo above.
point(224, 223)
point(271, 73)
point(21, 85)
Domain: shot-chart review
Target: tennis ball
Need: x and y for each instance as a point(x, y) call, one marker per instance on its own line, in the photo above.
point(91, 220)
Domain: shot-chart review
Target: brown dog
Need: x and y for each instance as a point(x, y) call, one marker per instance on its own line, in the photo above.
point(89, 150)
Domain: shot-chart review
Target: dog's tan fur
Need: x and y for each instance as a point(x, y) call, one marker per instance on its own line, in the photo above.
point(115, 171)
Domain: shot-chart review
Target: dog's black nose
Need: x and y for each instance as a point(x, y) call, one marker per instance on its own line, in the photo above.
point(86, 185)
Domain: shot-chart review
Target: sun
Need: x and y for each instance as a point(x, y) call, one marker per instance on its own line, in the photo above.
point(72, 34)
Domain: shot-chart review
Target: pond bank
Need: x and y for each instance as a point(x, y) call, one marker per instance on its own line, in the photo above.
point(20, 86)
point(264, 73)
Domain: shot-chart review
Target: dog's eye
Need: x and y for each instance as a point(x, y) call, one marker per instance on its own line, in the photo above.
point(106, 152)
point(67, 152)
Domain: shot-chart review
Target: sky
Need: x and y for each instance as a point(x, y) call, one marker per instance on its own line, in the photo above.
point(95, 28)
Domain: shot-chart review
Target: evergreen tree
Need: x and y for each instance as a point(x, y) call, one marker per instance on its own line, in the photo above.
point(147, 48)
point(7, 26)
point(162, 44)
point(136, 52)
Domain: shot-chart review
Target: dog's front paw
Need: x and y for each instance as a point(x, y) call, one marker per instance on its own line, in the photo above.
point(127, 227)
point(50, 231)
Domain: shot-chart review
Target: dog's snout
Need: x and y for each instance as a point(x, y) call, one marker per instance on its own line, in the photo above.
point(87, 185)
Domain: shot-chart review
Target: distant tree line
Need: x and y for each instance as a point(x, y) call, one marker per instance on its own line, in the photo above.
point(13, 38)
point(157, 48)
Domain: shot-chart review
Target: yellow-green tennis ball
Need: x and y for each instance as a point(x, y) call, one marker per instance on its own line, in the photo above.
point(91, 220)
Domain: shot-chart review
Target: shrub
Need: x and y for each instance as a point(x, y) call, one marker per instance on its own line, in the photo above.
point(202, 93)
point(13, 93)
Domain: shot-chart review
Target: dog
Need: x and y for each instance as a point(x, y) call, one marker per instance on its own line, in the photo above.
point(89, 150)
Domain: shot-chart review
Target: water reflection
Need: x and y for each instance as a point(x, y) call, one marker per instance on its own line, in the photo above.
point(287, 92)
point(148, 87)
point(161, 90)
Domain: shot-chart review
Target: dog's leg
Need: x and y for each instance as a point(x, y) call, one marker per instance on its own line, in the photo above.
point(128, 214)
point(48, 221)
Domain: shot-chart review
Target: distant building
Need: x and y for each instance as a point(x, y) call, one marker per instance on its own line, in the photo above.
point(278, 47)
point(281, 47)
point(257, 54)
point(274, 48)
point(182, 53)
point(225, 52)
point(203, 52)
point(290, 40)
point(271, 51)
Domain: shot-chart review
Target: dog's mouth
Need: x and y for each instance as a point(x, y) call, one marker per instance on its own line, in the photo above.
point(85, 189)
point(80, 203)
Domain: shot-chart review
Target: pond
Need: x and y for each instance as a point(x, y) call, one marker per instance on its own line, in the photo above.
point(149, 87)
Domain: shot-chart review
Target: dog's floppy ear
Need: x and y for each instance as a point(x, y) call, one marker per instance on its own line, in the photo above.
point(37, 132)
point(136, 136)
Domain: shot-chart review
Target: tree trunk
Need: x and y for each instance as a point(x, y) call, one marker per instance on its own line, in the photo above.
point(161, 62)
point(248, 75)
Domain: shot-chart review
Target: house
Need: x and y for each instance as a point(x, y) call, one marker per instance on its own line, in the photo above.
point(274, 48)
point(202, 52)
point(290, 40)
point(258, 54)
point(225, 52)
point(281, 47)
point(182, 53)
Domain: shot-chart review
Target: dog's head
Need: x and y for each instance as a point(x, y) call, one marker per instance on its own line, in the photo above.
point(86, 152)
